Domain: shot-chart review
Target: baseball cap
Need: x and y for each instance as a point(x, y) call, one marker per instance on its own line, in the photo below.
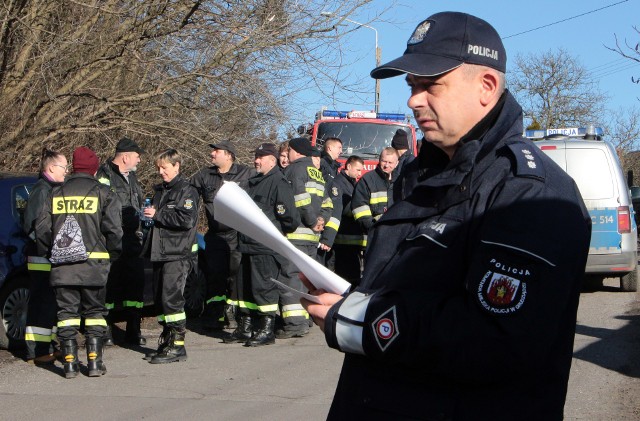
point(443, 42)
point(85, 160)
point(225, 145)
point(127, 145)
point(267, 149)
point(303, 146)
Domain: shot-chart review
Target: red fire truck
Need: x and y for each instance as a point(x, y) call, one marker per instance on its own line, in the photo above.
point(363, 133)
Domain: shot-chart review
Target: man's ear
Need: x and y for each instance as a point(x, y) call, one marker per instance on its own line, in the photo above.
point(490, 83)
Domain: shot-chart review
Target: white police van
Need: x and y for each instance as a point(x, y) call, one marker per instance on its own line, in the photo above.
point(594, 165)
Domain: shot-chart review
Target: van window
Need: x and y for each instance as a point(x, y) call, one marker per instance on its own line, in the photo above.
point(590, 169)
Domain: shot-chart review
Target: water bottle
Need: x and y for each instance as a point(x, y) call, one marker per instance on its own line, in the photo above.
point(146, 221)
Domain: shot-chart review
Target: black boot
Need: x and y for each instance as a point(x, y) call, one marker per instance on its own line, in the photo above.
point(70, 355)
point(94, 357)
point(133, 335)
point(163, 342)
point(242, 332)
point(265, 335)
point(107, 339)
point(174, 351)
point(213, 316)
point(230, 315)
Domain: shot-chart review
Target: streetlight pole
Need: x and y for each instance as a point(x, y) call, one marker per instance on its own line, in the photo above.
point(378, 54)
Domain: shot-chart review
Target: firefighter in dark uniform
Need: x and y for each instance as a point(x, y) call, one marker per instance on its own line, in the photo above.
point(221, 241)
point(467, 305)
point(350, 240)
point(373, 193)
point(309, 194)
point(170, 246)
point(80, 230)
point(40, 331)
point(126, 278)
point(257, 293)
point(400, 142)
point(329, 166)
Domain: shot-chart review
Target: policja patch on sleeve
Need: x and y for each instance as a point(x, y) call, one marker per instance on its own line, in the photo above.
point(499, 291)
point(188, 204)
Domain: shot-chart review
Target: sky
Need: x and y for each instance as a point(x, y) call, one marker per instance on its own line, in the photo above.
point(583, 29)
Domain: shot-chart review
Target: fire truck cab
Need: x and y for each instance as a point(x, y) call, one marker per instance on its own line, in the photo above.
point(363, 133)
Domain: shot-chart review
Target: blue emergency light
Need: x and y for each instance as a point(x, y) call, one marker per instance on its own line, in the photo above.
point(345, 114)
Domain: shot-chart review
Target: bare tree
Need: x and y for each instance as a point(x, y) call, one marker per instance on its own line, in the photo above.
point(555, 90)
point(628, 51)
point(179, 73)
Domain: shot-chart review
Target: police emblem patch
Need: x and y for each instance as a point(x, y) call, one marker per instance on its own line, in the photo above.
point(385, 328)
point(280, 209)
point(334, 191)
point(188, 204)
point(500, 293)
point(419, 33)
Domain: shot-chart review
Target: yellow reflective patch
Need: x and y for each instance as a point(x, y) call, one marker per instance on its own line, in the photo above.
point(92, 355)
point(315, 174)
point(75, 204)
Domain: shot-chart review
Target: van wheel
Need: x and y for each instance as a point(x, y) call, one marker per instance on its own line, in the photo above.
point(14, 299)
point(629, 282)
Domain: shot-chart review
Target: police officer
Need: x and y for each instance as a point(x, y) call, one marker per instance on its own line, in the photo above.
point(274, 196)
point(309, 194)
point(80, 230)
point(221, 241)
point(467, 305)
point(126, 278)
point(350, 240)
point(41, 313)
point(331, 151)
point(373, 194)
point(170, 246)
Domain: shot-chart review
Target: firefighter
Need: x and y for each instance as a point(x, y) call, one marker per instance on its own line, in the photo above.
point(170, 246)
point(221, 241)
point(126, 278)
point(350, 240)
point(329, 166)
point(467, 305)
point(259, 295)
point(40, 331)
point(373, 194)
point(309, 194)
point(80, 230)
point(400, 143)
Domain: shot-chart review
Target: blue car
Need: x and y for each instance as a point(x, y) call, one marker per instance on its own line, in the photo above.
point(14, 279)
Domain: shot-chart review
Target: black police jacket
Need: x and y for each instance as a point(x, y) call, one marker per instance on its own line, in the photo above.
point(467, 305)
point(208, 180)
point(96, 210)
point(173, 236)
point(274, 196)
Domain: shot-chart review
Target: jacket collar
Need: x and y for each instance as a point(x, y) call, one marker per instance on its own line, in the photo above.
point(350, 179)
point(258, 177)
